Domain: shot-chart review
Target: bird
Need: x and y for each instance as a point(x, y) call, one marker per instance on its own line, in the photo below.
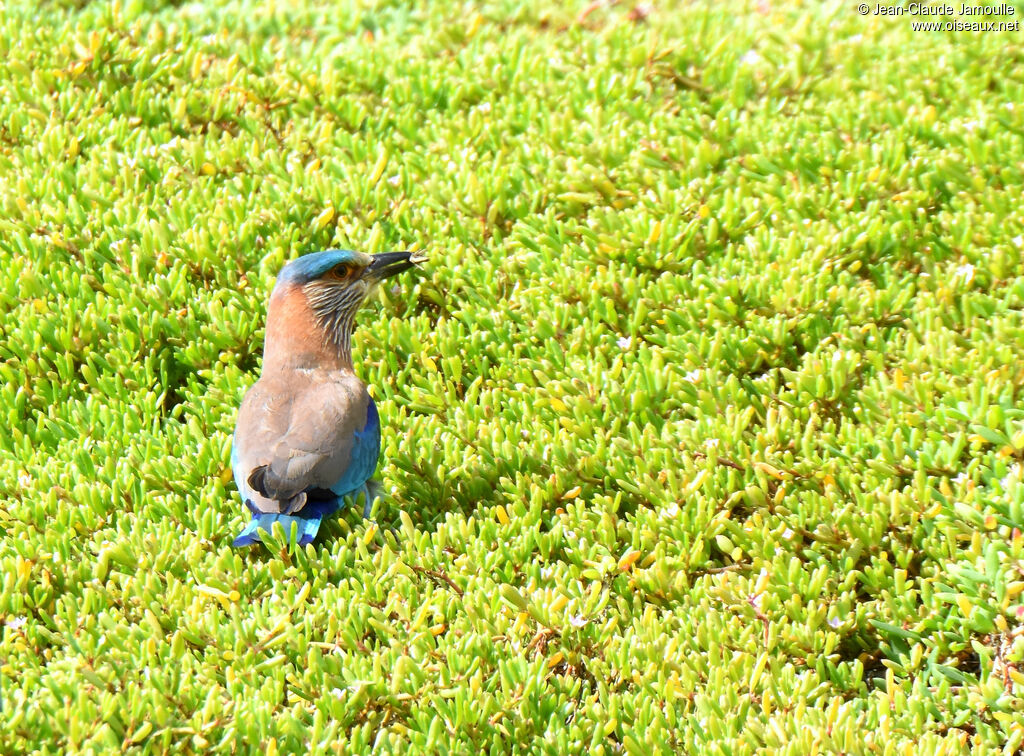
point(308, 432)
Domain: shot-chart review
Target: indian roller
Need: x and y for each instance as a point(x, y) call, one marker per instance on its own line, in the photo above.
point(308, 433)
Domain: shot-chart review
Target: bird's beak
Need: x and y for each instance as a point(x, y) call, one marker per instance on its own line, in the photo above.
point(387, 264)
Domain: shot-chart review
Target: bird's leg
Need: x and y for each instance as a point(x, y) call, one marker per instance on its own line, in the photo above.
point(367, 502)
point(368, 493)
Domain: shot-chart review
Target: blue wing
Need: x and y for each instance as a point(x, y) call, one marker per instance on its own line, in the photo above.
point(320, 502)
point(365, 452)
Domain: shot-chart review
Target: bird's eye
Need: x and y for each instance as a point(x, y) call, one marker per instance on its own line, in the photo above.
point(340, 271)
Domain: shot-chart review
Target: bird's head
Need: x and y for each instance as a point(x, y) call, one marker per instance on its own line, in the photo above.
point(337, 281)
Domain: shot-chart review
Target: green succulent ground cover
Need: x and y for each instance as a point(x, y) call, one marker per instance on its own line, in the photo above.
point(703, 427)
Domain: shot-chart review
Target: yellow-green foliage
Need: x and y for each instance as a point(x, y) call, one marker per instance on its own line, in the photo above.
point(703, 427)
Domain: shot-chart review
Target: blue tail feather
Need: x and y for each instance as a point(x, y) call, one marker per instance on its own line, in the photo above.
point(307, 528)
point(308, 520)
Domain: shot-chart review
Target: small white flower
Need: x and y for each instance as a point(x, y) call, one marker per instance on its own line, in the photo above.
point(578, 621)
point(17, 622)
point(1018, 240)
point(693, 376)
point(971, 126)
point(962, 478)
point(395, 180)
point(835, 622)
point(966, 272)
point(337, 692)
point(625, 342)
point(751, 58)
point(672, 510)
point(787, 534)
point(483, 107)
point(711, 443)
